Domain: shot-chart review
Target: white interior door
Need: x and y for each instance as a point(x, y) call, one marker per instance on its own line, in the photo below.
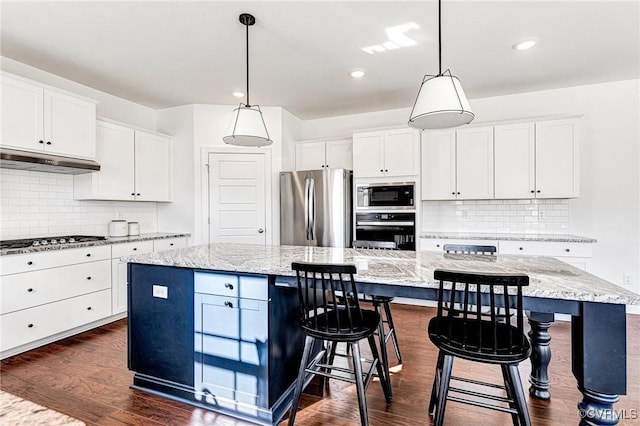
point(237, 191)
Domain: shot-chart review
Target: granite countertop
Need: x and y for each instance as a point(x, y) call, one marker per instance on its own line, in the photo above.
point(560, 238)
point(108, 241)
point(549, 277)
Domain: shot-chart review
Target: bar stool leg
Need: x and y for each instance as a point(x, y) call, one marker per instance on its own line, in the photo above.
point(384, 356)
point(384, 380)
point(510, 394)
point(516, 383)
point(357, 366)
point(443, 390)
point(308, 346)
point(436, 384)
point(392, 331)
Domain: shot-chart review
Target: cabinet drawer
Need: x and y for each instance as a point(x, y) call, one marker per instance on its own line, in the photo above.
point(28, 289)
point(17, 263)
point(231, 285)
point(129, 249)
point(432, 244)
point(28, 325)
point(169, 243)
point(543, 248)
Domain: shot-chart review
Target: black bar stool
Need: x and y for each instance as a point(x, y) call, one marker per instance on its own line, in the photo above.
point(327, 317)
point(469, 333)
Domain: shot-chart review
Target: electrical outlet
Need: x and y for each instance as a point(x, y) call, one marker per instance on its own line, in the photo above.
point(541, 214)
point(626, 279)
point(160, 291)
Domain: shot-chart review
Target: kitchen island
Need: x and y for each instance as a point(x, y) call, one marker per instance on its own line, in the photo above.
point(215, 325)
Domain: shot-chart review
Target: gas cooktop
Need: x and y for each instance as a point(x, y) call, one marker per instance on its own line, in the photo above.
point(48, 241)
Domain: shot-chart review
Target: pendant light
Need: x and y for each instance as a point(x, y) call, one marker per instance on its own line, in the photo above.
point(441, 102)
point(247, 127)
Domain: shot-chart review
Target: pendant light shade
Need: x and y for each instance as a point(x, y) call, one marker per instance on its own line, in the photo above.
point(247, 127)
point(441, 102)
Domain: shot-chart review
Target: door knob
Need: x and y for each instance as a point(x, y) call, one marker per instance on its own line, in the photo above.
point(260, 230)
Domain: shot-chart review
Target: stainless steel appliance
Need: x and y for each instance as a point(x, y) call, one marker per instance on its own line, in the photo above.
point(398, 230)
point(316, 207)
point(385, 196)
point(48, 241)
point(45, 162)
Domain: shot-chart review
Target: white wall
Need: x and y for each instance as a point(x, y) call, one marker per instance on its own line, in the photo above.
point(109, 106)
point(202, 126)
point(609, 205)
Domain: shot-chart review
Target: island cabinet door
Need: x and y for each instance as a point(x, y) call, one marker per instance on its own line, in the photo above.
point(232, 353)
point(161, 322)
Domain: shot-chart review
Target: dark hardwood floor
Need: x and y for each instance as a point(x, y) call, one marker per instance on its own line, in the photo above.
point(86, 377)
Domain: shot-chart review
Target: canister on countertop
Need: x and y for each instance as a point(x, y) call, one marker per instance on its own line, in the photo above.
point(118, 228)
point(134, 228)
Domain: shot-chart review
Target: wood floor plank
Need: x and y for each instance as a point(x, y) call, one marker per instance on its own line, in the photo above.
point(86, 377)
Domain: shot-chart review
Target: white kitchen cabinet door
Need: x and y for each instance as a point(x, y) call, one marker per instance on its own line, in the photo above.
point(21, 120)
point(514, 167)
point(402, 152)
point(557, 166)
point(474, 163)
point(119, 279)
point(368, 154)
point(439, 165)
point(339, 154)
point(169, 243)
point(69, 124)
point(310, 155)
point(153, 175)
point(115, 154)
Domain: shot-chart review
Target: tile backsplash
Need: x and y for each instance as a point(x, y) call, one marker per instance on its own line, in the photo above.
point(41, 204)
point(515, 216)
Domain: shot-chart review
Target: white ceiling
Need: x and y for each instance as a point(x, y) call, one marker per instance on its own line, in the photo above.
point(170, 53)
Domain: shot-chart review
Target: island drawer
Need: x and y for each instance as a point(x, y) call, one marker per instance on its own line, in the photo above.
point(231, 285)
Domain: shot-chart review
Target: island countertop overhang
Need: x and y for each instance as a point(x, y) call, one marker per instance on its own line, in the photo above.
point(549, 277)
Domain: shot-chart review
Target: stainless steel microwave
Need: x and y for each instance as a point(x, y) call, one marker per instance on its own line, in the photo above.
point(387, 196)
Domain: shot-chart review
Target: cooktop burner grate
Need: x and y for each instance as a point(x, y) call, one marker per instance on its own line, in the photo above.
point(48, 241)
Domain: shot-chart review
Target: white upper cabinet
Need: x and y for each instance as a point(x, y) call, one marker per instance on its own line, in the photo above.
point(319, 155)
point(439, 165)
point(134, 165)
point(153, 167)
point(557, 164)
point(537, 160)
point(386, 153)
point(39, 118)
point(457, 164)
point(474, 163)
point(514, 150)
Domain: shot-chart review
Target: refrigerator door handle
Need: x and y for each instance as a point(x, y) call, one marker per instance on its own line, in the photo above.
point(312, 210)
point(307, 202)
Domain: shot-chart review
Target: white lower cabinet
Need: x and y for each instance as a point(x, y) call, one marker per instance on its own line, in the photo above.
point(169, 244)
point(119, 271)
point(50, 292)
point(576, 254)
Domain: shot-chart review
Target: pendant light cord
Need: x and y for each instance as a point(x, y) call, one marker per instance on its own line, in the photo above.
point(439, 42)
point(247, 28)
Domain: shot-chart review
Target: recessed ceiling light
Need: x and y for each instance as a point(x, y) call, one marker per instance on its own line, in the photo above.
point(238, 94)
point(357, 73)
point(526, 44)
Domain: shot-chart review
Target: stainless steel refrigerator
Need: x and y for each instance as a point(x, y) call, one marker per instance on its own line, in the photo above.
point(316, 208)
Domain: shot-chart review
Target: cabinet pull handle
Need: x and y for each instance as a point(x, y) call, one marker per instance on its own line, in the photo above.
point(133, 193)
point(386, 170)
point(381, 170)
point(29, 263)
point(532, 191)
point(229, 286)
point(453, 193)
point(88, 254)
point(29, 290)
point(567, 250)
point(538, 191)
point(521, 248)
point(135, 249)
point(138, 194)
point(89, 278)
point(48, 142)
point(437, 245)
point(30, 325)
point(171, 244)
point(88, 308)
point(42, 142)
point(228, 304)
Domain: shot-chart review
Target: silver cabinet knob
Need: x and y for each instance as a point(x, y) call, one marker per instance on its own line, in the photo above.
point(260, 230)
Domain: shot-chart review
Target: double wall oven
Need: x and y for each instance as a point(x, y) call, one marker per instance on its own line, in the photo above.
point(385, 215)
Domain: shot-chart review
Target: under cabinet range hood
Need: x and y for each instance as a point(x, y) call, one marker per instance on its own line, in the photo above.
point(44, 162)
